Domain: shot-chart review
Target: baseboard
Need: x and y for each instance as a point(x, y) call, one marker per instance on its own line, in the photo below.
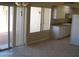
point(73, 45)
point(64, 37)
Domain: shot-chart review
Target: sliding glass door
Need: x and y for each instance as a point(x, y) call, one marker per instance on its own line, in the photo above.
point(5, 28)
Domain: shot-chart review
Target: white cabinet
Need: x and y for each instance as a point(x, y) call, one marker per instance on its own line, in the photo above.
point(61, 31)
point(56, 31)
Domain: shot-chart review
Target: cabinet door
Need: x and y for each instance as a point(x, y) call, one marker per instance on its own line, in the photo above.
point(56, 31)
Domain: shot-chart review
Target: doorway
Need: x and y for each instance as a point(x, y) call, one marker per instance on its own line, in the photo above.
point(6, 19)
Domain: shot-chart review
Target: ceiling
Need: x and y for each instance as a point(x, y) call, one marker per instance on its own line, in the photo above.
point(47, 4)
point(51, 4)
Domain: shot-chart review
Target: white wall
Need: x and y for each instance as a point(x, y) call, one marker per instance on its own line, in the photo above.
point(75, 30)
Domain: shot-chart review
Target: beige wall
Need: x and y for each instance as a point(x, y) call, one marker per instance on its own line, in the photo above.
point(75, 10)
point(60, 15)
point(61, 11)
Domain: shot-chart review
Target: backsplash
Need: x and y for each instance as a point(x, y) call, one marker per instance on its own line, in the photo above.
point(58, 21)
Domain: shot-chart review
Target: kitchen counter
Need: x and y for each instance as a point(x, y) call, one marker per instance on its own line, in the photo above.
point(62, 24)
point(61, 30)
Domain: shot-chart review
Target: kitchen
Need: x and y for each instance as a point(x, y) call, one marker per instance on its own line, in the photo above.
point(61, 21)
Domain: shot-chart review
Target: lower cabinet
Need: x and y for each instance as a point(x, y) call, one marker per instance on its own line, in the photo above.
point(61, 31)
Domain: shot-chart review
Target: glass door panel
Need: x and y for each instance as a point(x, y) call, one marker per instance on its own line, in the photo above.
point(3, 27)
point(6, 23)
point(35, 19)
point(47, 19)
point(11, 26)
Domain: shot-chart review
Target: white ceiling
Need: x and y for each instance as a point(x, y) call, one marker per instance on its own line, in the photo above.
point(51, 4)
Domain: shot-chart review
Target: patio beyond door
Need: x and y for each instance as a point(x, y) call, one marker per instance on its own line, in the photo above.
point(5, 28)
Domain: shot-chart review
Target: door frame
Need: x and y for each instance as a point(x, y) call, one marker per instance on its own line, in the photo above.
point(8, 26)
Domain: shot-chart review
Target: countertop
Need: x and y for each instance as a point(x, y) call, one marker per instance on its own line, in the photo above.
point(63, 24)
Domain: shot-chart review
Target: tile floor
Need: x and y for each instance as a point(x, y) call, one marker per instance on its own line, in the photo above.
point(48, 48)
